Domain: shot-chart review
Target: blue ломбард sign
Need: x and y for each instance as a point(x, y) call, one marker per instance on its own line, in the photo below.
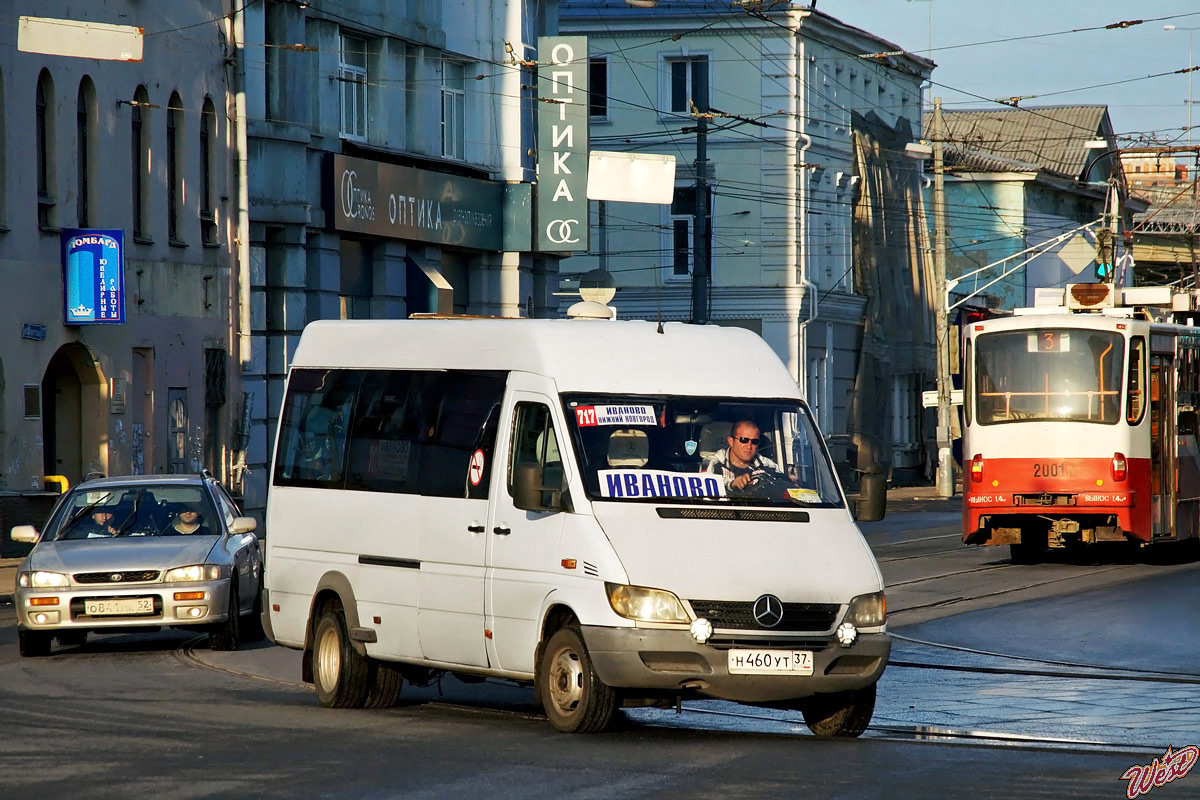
point(93, 276)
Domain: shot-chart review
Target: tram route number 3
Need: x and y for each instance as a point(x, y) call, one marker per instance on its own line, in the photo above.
point(1049, 470)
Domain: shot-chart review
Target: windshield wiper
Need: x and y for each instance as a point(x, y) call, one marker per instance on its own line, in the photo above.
point(132, 515)
point(80, 514)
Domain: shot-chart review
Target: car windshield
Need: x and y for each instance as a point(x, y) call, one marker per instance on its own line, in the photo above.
point(133, 511)
point(700, 449)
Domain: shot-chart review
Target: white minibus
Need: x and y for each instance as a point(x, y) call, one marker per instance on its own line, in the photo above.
point(618, 513)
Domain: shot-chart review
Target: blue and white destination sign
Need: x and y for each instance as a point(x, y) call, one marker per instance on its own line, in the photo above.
point(639, 483)
point(93, 276)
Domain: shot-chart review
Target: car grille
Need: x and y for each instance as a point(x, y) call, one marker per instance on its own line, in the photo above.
point(740, 616)
point(135, 576)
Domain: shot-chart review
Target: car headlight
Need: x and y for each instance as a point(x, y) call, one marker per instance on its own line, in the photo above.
point(645, 605)
point(868, 610)
point(42, 580)
point(196, 572)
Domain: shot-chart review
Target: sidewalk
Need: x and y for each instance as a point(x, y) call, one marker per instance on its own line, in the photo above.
point(8, 578)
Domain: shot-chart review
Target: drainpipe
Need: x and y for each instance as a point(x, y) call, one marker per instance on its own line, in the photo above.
point(242, 330)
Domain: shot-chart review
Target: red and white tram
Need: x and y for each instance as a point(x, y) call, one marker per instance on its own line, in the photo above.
point(1080, 422)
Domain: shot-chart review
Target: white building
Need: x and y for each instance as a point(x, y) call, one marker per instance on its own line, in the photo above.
point(139, 147)
point(818, 238)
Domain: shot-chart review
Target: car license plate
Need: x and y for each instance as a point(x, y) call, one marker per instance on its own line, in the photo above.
point(124, 607)
point(766, 662)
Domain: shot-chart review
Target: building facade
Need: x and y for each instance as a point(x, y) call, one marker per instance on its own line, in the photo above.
point(816, 224)
point(390, 148)
point(109, 370)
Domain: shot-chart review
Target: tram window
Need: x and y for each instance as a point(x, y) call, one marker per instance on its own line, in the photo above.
point(968, 369)
point(1135, 404)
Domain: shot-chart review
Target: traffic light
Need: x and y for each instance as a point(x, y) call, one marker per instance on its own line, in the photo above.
point(1105, 255)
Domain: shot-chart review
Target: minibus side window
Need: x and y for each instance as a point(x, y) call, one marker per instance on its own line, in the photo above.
point(314, 430)
point(415, 431)
point(534, 441)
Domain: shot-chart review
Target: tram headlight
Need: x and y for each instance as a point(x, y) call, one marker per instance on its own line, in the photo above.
point(977, 468)
point(1119, 469)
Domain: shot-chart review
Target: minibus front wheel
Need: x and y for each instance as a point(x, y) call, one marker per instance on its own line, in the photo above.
point(841, 715)
point(341, 676)
point(575, 699)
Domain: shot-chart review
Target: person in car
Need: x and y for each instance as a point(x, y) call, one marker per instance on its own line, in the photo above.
point(100, 525)
point(189, 520)
point(740, 463)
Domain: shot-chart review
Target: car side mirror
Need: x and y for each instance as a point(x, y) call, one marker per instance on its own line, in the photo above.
point(529, 493)
point(243, 525)
point(24, 533)
point(1186, 426)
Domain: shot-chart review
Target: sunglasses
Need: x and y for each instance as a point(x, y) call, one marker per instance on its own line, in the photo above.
point(747, 440)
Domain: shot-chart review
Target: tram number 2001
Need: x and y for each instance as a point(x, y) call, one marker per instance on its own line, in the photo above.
point(1049, 470)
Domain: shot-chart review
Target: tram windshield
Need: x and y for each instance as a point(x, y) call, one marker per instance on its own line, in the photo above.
point(1061, 374)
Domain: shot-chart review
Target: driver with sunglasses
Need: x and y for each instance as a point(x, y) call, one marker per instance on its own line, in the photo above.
point(740, 464)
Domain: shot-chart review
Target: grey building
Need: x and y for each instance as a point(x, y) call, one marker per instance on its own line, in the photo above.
point(93, 378)
point(386, 141)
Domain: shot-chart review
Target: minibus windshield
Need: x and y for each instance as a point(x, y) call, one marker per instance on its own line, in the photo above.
point(700, 449)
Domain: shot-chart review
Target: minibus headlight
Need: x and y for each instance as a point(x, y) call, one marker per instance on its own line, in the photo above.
point(42, 580)
point(645, 605)
point(195, 572)
point(868, 610)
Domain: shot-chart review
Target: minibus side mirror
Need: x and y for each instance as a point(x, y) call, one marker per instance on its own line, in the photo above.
point(1186, 425)
point(529, 491)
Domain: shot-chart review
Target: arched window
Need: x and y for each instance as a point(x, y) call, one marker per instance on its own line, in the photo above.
point(85, 153)
point(139, 143)
point(45, 149)
point(208, 136)
point(174, 165)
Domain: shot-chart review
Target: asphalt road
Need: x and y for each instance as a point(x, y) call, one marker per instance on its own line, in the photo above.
point(1042, 681)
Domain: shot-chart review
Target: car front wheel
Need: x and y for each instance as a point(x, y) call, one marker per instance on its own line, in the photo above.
point(33, 644)
point(225, 635)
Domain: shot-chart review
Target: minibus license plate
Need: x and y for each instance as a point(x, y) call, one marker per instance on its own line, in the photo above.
point(136, 605)
point(762, 662)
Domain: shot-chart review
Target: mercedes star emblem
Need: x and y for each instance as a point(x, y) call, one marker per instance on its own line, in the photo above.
point(768, 611)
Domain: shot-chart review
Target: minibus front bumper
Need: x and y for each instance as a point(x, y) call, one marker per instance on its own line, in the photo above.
point(672, 661)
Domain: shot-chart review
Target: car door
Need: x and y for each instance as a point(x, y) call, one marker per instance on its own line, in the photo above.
point(523, 546)
point(243, 549)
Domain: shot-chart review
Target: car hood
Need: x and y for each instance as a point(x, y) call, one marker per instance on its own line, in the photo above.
point(134, 553)
point(824, 560)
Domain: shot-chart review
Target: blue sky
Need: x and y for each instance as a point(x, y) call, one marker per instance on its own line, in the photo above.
point(1046, 66)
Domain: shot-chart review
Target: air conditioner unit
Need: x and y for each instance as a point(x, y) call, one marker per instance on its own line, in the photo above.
point(1087, 296)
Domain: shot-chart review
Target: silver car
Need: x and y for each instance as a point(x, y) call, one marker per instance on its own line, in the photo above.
point(140, 552)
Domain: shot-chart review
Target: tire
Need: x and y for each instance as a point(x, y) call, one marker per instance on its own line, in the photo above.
point(72, 638)
point(341, 675)
point(386, 683)
point(252, 626)
point(34, 644)
point(574, 697)
point(1025, 553)
point(226, 635)
point(844, 715)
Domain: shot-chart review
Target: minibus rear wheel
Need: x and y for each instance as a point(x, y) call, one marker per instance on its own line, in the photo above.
point(341, 675)
point(575, 699)
point(386, 683)
point(842, 715)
